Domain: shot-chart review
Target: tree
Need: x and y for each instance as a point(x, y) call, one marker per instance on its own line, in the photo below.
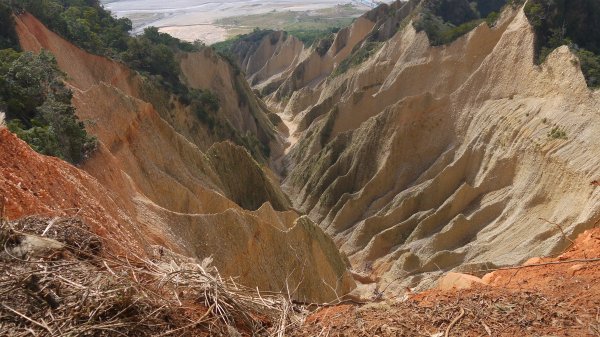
point(38, 106)
point(28, 82)
point(8, 36)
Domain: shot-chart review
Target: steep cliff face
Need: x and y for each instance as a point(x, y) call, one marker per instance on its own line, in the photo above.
point(268, 61)
point(243, 179)
point(279, 66)
point(151, 163)
point(244, 113)
point(294, 87)
point(424, 159)
point(35, 184)
point(416, 159)
point(319, 61)
point(313, 73)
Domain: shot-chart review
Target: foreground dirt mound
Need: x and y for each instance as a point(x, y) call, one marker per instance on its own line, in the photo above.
point(551, 296)
point(54, 285)
point(151, 163)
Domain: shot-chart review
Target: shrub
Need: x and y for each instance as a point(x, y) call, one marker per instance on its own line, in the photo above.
point(557, 133)
point(311, 36)
point(8, 36)
point(38, 106)
point(446, 20)
point(454, 33)
point(145, 55)
point(41, 138)
point(324, 44)
point(573, 23)
point(590, 66)
point(492, 18)
point(204, 104)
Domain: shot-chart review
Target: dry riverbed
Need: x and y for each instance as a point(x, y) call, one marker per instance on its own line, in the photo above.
point(214, 21)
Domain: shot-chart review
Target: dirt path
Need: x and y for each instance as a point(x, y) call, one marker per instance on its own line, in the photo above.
point(292, 126)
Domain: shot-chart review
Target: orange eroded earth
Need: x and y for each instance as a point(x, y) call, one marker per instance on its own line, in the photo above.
point(546, 300)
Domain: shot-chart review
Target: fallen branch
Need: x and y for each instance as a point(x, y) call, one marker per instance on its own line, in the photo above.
point(564, 235)
point(28, 318)
point(200, 320)
point(454, 321)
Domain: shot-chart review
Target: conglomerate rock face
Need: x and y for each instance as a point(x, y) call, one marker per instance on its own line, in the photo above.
point(467, 156)
point(161, 177)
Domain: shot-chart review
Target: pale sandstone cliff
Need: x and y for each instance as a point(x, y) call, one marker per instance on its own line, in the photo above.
point(295, 88)
point(427, 159)
point(151, 162)
point(279, 65)
point(315, 66)
point(269, 61)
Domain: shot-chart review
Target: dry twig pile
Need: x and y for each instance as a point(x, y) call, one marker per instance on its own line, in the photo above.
point(57, 280)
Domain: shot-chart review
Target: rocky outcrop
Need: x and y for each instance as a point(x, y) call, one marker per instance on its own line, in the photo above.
point(151, 164)
point(279, 66)
point(314, 72)
point(303, 74)
point(462, 157)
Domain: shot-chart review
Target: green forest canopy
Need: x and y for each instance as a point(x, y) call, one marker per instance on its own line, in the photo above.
point(31, 113)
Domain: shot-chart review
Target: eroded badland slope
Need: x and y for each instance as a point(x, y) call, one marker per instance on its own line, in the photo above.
point(451, 188)
point(420, 160)
point(170, 181)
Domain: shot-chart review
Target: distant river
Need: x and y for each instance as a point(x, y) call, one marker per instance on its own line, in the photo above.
point(164, 13)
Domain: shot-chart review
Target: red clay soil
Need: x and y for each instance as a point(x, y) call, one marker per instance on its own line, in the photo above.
point(538, 300)
point(34, 184)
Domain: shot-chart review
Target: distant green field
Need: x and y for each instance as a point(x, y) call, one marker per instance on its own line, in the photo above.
point(308, 26)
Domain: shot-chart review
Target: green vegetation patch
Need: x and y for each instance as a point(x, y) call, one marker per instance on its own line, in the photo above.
point(308, 26)
point(8, 36)
point(444, 21)
point(89, 26)
point(575, 23)
point(204, 104)
point(311, 36)
point(36, 102)
point(557, 133)
point(357, 57)
point(38, 106)
point(323, 39)
point(324, 44)
point(224, 48)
